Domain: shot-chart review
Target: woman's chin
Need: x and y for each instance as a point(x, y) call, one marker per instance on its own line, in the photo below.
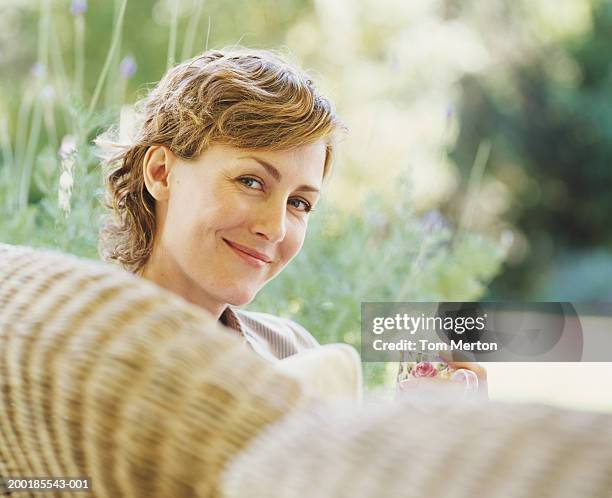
point(241, 297)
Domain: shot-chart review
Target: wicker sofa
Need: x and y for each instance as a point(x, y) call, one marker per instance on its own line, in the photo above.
point(106, 376)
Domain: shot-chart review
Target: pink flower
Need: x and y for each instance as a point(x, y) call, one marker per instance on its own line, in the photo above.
point(424, 369)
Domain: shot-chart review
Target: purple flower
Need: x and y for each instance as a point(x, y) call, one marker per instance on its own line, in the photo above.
point(127, 67)
point(450, 111)
point(78, 7)
point(433, 221)
point(47, 93)
point(38, 70)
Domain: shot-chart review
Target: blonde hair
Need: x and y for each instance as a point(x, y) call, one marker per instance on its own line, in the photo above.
point(243, 98)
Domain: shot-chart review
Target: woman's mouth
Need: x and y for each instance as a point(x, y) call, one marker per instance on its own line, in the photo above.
point(251, 256)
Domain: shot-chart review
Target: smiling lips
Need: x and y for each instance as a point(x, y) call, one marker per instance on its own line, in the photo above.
point(251, 256)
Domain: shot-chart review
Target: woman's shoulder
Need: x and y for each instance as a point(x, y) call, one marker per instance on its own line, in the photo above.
point(283, 336)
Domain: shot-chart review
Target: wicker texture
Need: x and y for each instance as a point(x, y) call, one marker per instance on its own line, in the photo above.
point(431, 449)
point(105, 375)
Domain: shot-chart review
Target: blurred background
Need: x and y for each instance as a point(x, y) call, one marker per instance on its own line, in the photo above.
point(477, 165)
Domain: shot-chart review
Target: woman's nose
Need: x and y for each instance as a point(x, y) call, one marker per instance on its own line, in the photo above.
point(269, 220)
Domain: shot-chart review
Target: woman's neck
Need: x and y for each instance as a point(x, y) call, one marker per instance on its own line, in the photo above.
point(176, 281)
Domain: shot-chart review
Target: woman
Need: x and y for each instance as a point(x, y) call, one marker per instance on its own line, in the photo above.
point(212, 198)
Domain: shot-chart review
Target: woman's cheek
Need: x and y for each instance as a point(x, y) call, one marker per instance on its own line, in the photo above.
point(294, 240)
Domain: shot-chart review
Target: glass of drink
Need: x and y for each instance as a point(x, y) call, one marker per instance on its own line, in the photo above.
point(419, 368)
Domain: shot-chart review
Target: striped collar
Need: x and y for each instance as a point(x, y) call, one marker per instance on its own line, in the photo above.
point(231, 320)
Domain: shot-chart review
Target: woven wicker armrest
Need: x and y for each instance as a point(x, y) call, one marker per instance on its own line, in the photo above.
point(425, 450)
point(105, 375)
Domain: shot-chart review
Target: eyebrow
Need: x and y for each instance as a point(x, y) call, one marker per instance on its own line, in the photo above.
point(277, 175)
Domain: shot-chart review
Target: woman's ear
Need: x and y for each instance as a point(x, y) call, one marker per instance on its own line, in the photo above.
point(156, 167)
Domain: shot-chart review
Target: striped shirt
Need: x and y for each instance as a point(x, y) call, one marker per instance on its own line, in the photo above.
point(270, 336)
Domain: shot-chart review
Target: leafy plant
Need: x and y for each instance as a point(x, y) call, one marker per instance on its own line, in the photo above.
point(388, 253)
point(51, 188)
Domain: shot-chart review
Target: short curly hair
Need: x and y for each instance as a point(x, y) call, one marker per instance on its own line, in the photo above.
point(252, 99)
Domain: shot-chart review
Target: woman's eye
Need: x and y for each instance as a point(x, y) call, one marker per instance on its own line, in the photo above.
point(300, 205)
point(251, 182)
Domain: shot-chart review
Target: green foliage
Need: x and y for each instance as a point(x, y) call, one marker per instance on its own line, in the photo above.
point(386, 254)
point(551, 123)
point(42, 222)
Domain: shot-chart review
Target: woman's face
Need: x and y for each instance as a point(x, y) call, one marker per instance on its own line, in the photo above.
point(230, 220)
